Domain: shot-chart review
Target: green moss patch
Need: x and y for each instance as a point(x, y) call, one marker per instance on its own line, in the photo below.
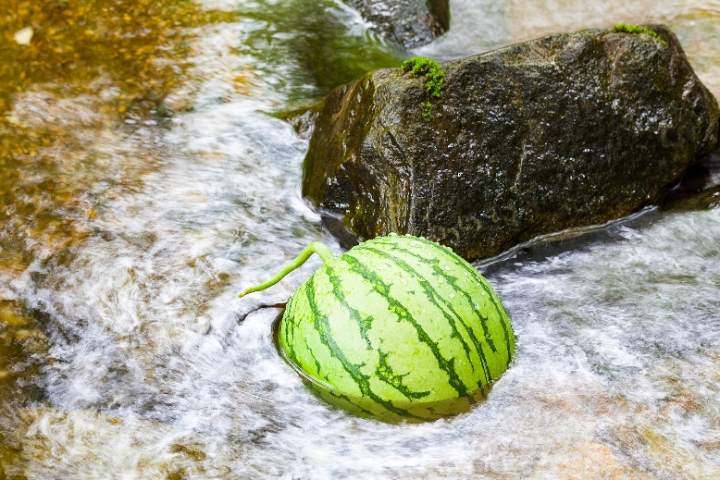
point(638, 30)
point(434, 80)
point(431, 70)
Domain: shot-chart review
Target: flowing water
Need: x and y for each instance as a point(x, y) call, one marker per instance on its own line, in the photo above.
point(145, 178)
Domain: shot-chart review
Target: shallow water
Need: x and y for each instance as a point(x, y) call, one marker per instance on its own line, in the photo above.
point(132, 215)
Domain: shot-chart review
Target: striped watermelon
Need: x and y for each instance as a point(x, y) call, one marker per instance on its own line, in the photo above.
point(397, 328)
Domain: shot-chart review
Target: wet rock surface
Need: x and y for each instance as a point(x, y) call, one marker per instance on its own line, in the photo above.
point(564, 131)
point(410, 23)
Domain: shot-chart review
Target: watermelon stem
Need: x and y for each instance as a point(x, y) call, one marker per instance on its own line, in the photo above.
point(318, 248)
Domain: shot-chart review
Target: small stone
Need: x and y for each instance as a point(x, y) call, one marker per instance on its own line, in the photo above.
point(24, 36)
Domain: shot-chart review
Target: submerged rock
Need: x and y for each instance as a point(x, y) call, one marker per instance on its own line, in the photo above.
point(410, 23)
point(567, 130)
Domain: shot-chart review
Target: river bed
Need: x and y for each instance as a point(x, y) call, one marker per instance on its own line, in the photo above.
point(146, 179)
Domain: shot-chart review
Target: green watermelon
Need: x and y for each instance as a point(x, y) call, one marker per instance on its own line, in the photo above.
point(397, 328)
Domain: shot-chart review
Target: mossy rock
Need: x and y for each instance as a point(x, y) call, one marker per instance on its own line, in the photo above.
point(563, 131)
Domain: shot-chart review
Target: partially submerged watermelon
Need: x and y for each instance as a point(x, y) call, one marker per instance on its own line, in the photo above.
point(397, 328)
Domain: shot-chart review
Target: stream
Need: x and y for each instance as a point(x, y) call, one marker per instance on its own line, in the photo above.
point(146, 177)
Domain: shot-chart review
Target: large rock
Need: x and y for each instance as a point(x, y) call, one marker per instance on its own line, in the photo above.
point(563, 131)
point(410, 23)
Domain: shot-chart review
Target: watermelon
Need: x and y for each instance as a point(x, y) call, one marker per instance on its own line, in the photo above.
point(397, 328)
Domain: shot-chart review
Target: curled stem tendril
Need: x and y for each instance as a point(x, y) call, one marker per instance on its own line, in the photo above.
point(314, 248)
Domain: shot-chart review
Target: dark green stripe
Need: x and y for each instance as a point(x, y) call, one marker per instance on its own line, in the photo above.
point(399, 309)
point(470, 269)
point(434, 298)
point(317, 363)
point(295, 320)
point(388, 375)
point(364, 323)
point(437, 269)
point(289, 322)
point(322, 326)
point(385, 372)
